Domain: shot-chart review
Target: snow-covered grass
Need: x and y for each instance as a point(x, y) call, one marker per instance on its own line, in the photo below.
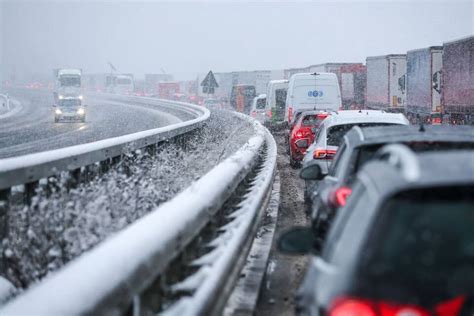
point(60, 225)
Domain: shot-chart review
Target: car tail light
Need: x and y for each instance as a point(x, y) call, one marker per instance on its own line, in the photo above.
point(254, 114)
point(269, 113)
point(451, 307)
point(352, 307)
point(324, 154)
point(361, 307)
point(290, 114)
point(338, 198)
point(322, 116)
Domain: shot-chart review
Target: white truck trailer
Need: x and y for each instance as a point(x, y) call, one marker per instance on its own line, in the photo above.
point(386, 87)
point(424, 85)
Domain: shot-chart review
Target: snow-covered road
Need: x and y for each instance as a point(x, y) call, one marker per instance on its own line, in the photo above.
point(32, 129)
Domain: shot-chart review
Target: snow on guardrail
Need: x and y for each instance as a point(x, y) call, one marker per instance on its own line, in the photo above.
point(112, 277)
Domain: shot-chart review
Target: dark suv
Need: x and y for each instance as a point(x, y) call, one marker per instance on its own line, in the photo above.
point(402, 245)
point(359, 146)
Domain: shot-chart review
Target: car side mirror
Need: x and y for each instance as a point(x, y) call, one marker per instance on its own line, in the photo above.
point(312, 172)
point(297, 241)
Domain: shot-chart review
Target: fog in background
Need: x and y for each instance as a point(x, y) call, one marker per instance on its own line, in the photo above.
point(186, 38)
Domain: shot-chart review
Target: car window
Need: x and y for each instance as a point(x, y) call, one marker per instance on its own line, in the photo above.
point(335, 133)
point(312, 120)
point(365, 153)
point(337, 161)
point(425, 236)
point(261, 104)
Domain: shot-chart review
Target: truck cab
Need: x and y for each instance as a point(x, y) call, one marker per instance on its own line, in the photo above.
point(68, 84)
point(69, 109)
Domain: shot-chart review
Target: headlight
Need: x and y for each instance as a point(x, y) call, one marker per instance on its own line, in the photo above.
point(80, 97)
point(58, 111)
point(61, 97)
point(81, 111)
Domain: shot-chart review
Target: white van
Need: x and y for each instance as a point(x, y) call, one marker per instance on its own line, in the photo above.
point(276, 100)
point(312, 91)
point(258, 108)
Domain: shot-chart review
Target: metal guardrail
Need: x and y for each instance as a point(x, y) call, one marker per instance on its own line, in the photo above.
point(181, 259)
point(33, 167)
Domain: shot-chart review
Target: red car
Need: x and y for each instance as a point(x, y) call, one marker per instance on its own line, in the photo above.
point(302, 134)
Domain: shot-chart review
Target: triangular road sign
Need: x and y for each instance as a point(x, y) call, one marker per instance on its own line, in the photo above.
point(210, 81)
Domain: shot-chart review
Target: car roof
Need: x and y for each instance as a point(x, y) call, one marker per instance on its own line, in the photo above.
point(278, 81)
point(365, 116)
point(402, 169)
point(402, 133)
point(312, 112)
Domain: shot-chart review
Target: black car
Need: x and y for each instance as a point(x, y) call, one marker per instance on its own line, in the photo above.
point(402, 245)
point(359, 146)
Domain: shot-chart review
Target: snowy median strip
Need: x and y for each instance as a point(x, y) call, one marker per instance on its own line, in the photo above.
point(108, 278)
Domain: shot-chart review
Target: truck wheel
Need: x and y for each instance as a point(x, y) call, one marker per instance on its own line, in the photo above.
point(56, 119)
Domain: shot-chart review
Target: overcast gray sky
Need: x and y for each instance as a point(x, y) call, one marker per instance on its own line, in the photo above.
point(185, 38)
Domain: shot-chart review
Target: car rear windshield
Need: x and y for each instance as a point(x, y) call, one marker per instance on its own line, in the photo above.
point(261, 104)
point(425, 238)
point(367, 152)
point(280, 98)
point(312, 120)
point(336, 133)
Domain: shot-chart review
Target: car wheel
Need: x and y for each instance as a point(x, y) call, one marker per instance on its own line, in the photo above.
point(83, 120)
point(56, 119)
point(293, 163)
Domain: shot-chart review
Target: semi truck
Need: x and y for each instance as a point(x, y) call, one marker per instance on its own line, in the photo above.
point(457, 81)
point(68, 84)
point(120, 83)
point(353, 81)
point(424, 85)
point(386, 82)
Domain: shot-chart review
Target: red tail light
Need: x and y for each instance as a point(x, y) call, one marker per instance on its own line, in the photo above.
point(352, 307)
point(290, 114)
point(254, 114)
point(361, 307)
point(299, 134)
point(269, 113)
point(339, 197)
point(324, 154)
point(451, 307)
